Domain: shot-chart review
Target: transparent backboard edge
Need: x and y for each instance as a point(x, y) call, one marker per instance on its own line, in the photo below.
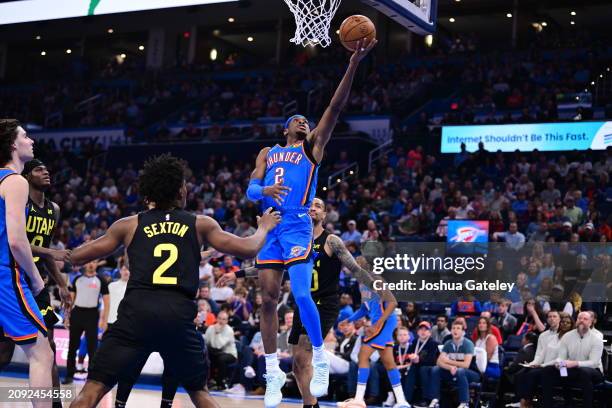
point(408, 14)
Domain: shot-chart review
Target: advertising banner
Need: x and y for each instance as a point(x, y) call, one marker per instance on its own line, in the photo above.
point(527, 137)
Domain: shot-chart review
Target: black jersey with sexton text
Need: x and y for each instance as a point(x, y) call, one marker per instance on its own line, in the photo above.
point(165, 252)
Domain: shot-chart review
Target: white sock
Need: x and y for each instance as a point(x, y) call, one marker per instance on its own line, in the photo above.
point(360, 393)
point(399, 394)
point(318, 354)
point(272, 363)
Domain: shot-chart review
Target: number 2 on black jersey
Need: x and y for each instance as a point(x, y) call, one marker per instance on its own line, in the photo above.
point(158, 252)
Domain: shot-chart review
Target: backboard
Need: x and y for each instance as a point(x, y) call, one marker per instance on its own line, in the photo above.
point(418, 16)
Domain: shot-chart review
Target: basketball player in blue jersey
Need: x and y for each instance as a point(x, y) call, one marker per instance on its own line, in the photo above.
point(285, 178)
point(378, 337)
point(20, 317)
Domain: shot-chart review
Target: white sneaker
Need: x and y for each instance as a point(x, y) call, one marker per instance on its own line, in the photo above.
point(390, 400)
point(463, 405)
point(249, 372)
point(434, 404)
point(402, 405)
point(237, 389)
point(274, 384)
point(351, 403)
point(320, 378)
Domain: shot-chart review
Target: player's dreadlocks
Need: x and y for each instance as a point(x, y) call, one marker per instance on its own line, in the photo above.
point(161, 180)
point(8, 134)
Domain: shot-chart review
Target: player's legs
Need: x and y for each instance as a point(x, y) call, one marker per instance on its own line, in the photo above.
point(54, 371)
point(395, 379)
point(270, 284)
point(302, 369)
point(202, 399)
point(300, 275)
point(169, 388)
point(363, 374)
point(90, 395)
point(125, 385)
point(40, 359)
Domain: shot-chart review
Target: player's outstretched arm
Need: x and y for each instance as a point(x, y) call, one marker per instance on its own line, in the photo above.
point(321, 134)
point(362, 275)
point(108, 243)
point(210, 231)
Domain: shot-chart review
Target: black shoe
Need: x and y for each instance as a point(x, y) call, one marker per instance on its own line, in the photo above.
point(68, 380)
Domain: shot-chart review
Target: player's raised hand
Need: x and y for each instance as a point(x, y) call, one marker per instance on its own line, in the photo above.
point(363, 48)
point(277, 192)
point(269, 219)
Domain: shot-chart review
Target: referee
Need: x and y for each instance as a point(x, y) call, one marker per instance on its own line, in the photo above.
point(85, 316)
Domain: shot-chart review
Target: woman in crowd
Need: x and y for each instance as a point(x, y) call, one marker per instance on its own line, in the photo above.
point(487, 341)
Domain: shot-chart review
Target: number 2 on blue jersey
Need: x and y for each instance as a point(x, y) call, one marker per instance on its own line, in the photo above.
point(278, 176)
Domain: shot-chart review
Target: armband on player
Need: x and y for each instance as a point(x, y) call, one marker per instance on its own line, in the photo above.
point(255, 190)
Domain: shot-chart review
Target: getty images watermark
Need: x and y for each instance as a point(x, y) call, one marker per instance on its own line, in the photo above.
point(447, 271)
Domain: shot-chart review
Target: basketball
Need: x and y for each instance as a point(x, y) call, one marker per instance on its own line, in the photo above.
point(355, 28)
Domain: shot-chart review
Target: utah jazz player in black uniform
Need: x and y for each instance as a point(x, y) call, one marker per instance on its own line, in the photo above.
point(158, 309)
point(41, 224)
point(330, 256)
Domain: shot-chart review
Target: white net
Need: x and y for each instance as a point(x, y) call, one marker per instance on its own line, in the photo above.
point(312, 20)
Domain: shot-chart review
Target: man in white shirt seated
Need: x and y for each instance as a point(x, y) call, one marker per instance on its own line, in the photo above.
point(116, 290)
point(579, 364)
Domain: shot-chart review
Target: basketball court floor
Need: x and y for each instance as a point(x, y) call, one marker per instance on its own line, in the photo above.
point(147, 396)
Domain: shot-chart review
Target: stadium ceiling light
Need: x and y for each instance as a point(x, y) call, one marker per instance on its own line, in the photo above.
point(573, 13)
point(68, 51)
point(324, 188)
point(213, 54)
point(337, 31)
point(110, 31)
point(509, 15)
point(608, 69)
point(123, 56)
point(216, 32)
point(38, 37)
point(250, 39)
point(452, 19)
point(592, 82)
point(601, 75)
point(544, 23)
point(231, 20)
point(572, 22)
point(141, 47)
point(43, 53)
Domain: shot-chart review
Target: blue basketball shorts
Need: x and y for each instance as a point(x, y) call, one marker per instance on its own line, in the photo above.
point(289, 243)
point(20, 316)
point(383, 338)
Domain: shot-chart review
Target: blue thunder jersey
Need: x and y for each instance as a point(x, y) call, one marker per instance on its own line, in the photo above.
point(6, 259)
point(292, 166)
